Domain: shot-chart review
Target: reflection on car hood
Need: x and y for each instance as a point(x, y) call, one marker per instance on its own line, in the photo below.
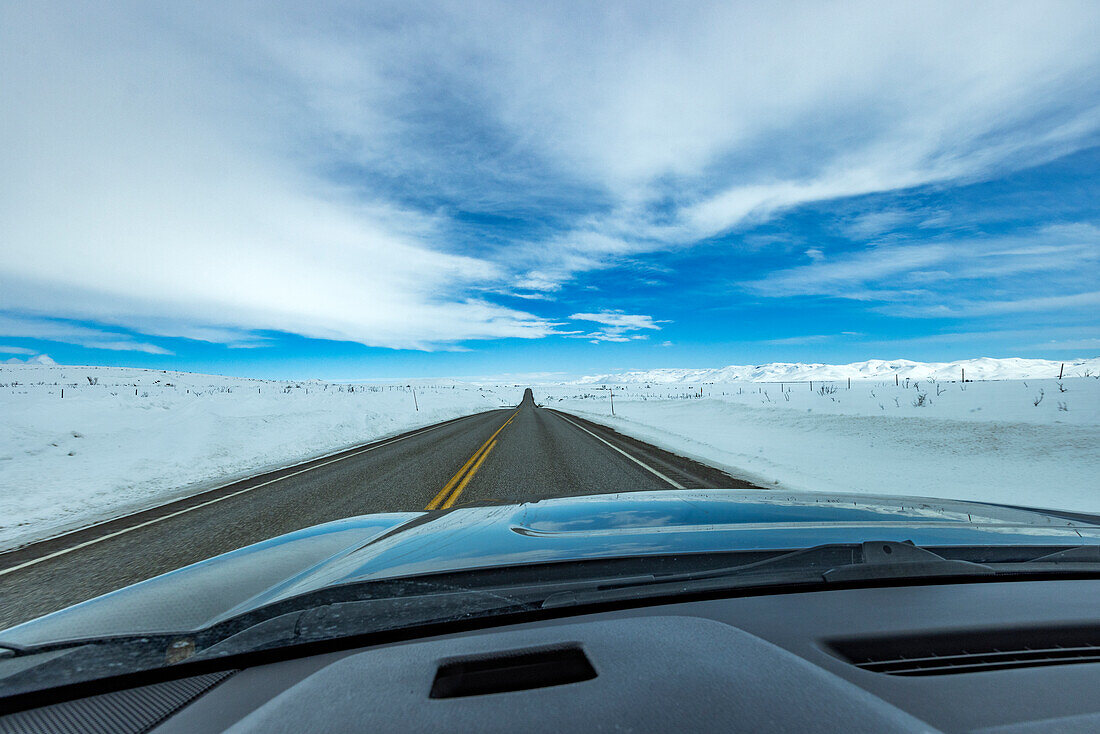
point(596, 526)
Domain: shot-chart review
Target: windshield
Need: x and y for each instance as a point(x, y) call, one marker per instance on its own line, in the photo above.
point(348, 319)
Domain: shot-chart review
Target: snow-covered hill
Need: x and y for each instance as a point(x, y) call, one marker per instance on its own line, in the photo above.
point(41, 359)
point(983, 368)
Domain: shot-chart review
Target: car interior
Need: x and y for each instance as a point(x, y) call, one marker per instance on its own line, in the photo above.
point(952, 657)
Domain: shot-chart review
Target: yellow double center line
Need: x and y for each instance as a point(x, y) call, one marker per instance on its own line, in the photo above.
point(458, 482)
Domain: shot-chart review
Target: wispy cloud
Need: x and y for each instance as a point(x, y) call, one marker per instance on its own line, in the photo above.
point(970, 308)
point(849, 276)
point(798, 340)
point(1060, 345)
point(16, 350)
point(923, 280)
point(1006, 342)
point(618, 326)
point(68, 333)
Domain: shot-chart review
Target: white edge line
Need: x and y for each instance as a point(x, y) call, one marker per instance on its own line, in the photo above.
point(269, 469)
point(645, 466)
point(155, 520)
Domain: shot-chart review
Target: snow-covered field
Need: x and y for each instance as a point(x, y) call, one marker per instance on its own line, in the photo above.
point(137, 438)
point(983, 368)
point(1025, 441)
point(123, 439)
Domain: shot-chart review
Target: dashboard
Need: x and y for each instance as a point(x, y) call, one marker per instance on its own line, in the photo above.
point(1005, 657)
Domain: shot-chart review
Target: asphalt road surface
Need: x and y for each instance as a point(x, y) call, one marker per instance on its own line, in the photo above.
point(500, 456)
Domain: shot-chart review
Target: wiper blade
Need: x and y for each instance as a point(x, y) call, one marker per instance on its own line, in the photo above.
point(363, 616)
point(822, 564)
point(329, 613)
point(1080, 554)
point(36, 668)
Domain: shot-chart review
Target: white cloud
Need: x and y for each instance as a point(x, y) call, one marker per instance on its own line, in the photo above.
point(847, 276)
point(211, 172)
point(1067, 344)
point(799, 340)
point(969, 308)
point(996, 340)
point(618, 319)
point(742, 123)
point(981, 276)
point(618, 326)
point(872, 224)
point(145, 187)
point(60, 331)
point(15, 350)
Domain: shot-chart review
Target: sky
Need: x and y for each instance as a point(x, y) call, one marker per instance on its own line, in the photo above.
point(479, 189)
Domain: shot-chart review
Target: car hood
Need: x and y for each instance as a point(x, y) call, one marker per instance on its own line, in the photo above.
point(571, 528)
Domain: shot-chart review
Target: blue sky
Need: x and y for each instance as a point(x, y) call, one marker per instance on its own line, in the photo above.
point(487, 189)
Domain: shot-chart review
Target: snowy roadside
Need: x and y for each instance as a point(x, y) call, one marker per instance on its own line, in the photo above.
point(121, 440)
point(138, 438)
point(1027, 442)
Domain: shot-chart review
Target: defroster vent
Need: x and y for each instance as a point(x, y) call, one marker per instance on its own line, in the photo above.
point(972, 652)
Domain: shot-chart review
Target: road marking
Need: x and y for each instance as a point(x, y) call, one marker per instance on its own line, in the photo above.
point(155, 520)
point(440, 500)
point(645, 466)
point(466, 479)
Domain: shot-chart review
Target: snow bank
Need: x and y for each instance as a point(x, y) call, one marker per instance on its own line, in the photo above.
point(124, 439)
point(1027, 442)
point(983, 368)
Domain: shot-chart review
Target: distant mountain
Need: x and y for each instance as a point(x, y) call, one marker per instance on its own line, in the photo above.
point(40, 359)
point(983, 368)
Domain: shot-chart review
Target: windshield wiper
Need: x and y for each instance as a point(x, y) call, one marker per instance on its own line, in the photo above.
point(822, 564)
point(329, 614)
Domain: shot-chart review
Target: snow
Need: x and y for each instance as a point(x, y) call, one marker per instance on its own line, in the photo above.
point(984, 368)
point(138, 438)
point(984, 441)
point(43, 359)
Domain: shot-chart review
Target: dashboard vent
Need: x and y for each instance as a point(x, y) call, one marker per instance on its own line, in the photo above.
point(516, 670)
point(972, 652)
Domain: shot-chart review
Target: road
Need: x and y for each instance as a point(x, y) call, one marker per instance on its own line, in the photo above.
point(500, 456)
